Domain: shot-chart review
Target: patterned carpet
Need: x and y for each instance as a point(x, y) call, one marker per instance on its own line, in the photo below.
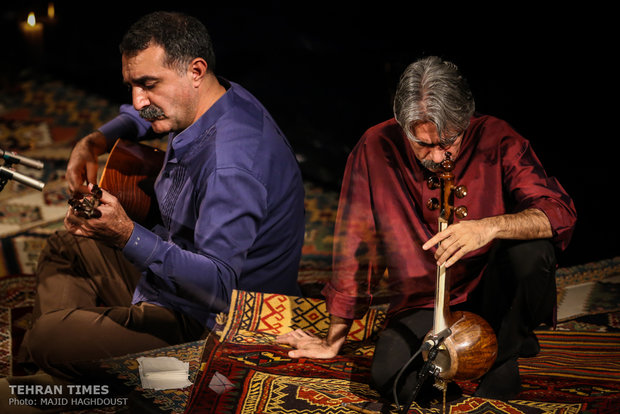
point(575, 372)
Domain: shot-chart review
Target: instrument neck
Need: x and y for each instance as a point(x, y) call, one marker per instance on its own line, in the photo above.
point(441, 319)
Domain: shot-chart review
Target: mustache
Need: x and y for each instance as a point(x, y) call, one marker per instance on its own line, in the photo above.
point(431, 165)
point(151, 112)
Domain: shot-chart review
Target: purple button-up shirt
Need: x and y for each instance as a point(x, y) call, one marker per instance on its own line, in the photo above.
point(232, 206)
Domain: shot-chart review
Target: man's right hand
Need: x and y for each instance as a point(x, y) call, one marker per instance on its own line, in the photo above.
point(82, 166)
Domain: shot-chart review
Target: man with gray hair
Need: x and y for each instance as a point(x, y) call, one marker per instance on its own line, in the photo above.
point(502, 256)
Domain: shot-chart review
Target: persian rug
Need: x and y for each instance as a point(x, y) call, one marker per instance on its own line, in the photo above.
point(16, 301)
point(572, 367)
point(245, 372)
point(246, 358)
point(316, 258)
point(239, 369)
point(5, 340)
point(277, 313)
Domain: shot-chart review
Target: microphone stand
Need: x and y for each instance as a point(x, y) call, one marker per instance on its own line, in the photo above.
point(4, 179)
point(428, 368)
point(7, 174)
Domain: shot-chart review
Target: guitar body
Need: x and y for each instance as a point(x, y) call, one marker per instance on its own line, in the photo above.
point(129, 175)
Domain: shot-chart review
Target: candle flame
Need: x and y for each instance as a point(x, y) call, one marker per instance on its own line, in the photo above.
point(31, 20)
point(51, 11)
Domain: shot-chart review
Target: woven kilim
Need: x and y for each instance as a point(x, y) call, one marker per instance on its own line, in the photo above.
point(262, 378)
point(575, 372)
point(5, 340)
point(16, 300)
point(576, 367)
point(581, 355)
point(257, 318)
point(265, 378)
point(572, 367)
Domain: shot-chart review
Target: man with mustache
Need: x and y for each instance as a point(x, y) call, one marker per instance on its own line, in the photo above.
point(502, 256)
point(151, 113)
point(230, 195)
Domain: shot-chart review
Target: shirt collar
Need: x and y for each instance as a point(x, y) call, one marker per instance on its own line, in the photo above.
point(181, 142)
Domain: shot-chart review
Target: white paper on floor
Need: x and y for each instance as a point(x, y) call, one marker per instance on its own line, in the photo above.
point(163, 373)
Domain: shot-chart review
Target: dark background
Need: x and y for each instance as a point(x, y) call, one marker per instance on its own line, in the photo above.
point(327, 72)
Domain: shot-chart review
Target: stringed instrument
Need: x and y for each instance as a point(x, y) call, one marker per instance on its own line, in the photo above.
point(470, 349)
point(129, 175)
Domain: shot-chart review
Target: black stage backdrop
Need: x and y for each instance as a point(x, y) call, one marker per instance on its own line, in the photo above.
point(327, 71)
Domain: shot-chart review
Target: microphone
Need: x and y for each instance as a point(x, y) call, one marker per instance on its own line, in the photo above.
point(14, 158)
point(435, 340)
point(7, 174)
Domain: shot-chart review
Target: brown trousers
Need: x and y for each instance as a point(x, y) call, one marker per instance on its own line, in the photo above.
point(83, 311)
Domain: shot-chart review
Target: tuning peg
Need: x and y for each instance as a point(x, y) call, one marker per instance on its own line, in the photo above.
point(461, 212)
point(447, 165)
point(433, 182)
point(432, 203)
point(460, 191)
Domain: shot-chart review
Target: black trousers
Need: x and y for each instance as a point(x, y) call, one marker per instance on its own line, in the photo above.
point(516, 294)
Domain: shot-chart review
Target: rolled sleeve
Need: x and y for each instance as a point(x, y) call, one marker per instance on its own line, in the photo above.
point(531, 187)
point(562, 218)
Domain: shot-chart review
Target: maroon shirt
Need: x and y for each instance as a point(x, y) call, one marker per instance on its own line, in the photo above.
point(383, 220)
